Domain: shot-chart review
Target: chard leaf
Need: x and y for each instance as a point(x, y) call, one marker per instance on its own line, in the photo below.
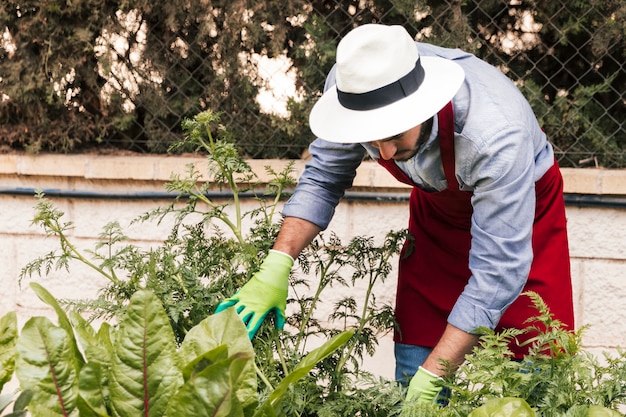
point(504, 407)
point(272, 406)
point(8, 339)
point(85, 334)
point(201, 362)
point(22, 401)
point(224, 328)
point(599, 411)
point(64, 322)
point(95, 350)
point(46, 364)
point(104, 337)
point(144, 370)
point(92, 390)
point(212, 391)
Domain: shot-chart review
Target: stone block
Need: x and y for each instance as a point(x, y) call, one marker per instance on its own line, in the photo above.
point(603, 295)
point(52, 165)
point(596, 232)
point(120, 167)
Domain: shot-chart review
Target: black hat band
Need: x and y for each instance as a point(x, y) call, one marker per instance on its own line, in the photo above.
point(386, 94)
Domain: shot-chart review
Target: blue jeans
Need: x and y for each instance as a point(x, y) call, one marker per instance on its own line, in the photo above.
point(408, 359)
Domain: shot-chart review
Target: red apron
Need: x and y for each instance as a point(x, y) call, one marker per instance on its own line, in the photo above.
point(434, 267)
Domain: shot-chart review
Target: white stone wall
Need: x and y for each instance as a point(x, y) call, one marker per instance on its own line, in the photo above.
point(597, 235)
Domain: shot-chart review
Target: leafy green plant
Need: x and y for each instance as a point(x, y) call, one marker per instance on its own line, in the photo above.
point(176, 287)
point(136, 368)
point(202, 262)
point(555, 378)
point(8, 332)
point(8, 339)
point(348, 388)
point(511, 406)
point(193, 270)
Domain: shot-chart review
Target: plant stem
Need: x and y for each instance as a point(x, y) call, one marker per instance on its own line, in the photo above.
point(307, 315)
point(281, 354)
point(263, 378)
point(279, 191)
point(365, 316)
point(71, 250)
point(228, 174)
point(235, 228)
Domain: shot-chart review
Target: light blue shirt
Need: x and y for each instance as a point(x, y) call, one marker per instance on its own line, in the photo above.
point(500, 151)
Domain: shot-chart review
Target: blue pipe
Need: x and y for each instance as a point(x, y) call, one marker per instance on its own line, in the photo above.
point(577, 200)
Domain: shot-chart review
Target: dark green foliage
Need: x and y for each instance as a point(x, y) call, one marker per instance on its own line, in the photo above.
point(555, 377)
point(65, 87)
point(54, 49)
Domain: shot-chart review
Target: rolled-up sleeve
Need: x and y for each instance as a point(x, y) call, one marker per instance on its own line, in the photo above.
point(326, 177)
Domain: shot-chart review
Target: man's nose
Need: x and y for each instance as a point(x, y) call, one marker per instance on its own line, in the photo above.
point(387, 149)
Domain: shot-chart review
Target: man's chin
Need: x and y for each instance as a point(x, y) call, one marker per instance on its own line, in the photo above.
point(404, 156)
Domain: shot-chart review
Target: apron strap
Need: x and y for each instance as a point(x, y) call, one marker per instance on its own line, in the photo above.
point(445, 118)
point(390, 165)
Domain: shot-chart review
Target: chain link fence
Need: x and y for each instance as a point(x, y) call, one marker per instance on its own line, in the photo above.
point(156, 68)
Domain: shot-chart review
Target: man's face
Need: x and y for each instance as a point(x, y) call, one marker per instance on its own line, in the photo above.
point(403, 146)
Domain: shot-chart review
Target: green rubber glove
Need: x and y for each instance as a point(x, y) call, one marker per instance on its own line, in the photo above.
point(265, 292)
point(423, 387)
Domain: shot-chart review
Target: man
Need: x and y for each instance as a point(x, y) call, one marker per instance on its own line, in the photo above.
point(487, 219)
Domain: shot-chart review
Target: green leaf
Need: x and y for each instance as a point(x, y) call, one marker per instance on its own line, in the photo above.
point(599, 411)
point(23, 400)
point(303, 368)
point(64, 322)
point(144, 367)
point(85, 334)
point(504, 407)
point(212, 392)
point(224, 328)
point(19, 407)
point(201, 362)
point(8, 339)
point(104, 337)
point(92, 389)
point(95, 350)
point(46, 364)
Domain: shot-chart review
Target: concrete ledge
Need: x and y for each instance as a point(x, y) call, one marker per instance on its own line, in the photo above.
point(160, 168)
point(594, 181)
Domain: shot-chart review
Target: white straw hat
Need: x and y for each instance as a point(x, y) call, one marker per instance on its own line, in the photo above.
point(383, 87)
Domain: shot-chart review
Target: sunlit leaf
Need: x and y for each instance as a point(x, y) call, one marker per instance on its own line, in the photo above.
point(224, 328)
point(8, 339)
point(64, 321)
point(144, 367)
point(212, 392)
point(46, 364)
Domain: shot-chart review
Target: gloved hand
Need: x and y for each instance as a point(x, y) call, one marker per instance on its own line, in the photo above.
point(265, 292)
point(423, 387)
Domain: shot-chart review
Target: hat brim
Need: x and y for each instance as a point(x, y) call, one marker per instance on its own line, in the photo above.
point(331, 121)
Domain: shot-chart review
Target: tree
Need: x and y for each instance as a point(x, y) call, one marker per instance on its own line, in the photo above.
point(50, 85)
point(126, 73)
